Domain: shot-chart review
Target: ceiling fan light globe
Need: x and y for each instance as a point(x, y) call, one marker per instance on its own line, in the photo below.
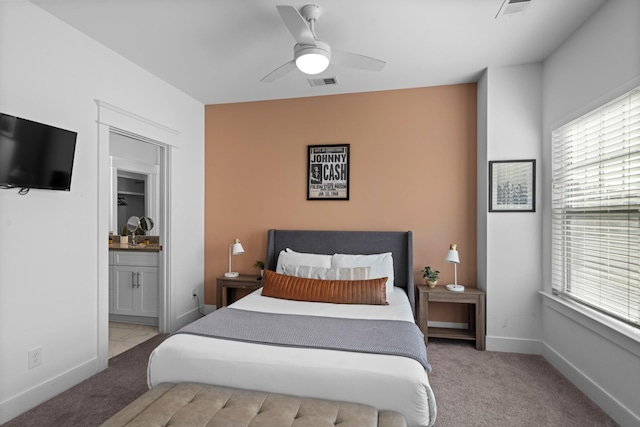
point(312, 59)
point(312, 63)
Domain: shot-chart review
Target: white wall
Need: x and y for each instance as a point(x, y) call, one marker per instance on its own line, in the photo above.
point(50, 255)
point(510, 243)
point(598, 62)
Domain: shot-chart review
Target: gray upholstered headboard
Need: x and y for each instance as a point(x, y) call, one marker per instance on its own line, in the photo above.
point(399, 243)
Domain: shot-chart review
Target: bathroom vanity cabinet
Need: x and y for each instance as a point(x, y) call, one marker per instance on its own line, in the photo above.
point(133, 285)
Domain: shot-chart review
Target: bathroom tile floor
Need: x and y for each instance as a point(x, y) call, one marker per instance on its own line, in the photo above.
point(123, 336)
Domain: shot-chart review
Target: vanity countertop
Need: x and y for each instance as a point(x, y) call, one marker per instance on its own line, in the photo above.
point(136, 248)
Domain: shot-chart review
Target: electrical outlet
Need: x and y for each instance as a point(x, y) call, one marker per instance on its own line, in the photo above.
point(193, 293)
point(35, 357)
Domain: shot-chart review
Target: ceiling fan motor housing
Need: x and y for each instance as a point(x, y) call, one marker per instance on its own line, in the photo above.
point(311, 11)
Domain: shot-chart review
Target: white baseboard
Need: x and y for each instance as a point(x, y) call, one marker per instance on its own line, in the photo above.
point(14, 406)
point(503, 344)
point(601, 397)
point(513, 345)
point(137, 320)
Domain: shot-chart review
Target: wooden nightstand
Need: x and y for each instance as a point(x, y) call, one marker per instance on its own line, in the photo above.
point(225, 284)
point(474, 297)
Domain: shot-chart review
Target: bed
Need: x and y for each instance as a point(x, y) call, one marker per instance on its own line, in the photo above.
point(385, 381)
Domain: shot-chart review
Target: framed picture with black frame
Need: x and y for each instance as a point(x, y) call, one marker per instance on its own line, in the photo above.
point(512, 186)
point(328, 172)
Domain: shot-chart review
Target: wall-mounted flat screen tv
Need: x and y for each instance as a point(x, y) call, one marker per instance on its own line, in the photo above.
point(35, 155)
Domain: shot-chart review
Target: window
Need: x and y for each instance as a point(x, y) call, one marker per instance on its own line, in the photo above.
point(596, 209)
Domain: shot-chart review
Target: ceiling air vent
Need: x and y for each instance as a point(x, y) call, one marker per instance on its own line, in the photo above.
point(323, 81)
point(513, 7)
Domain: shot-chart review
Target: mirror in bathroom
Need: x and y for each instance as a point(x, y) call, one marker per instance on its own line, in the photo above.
point(139, 225)
point(131, 197)
point(146, 224)
point(135, 183)
point(133, 223)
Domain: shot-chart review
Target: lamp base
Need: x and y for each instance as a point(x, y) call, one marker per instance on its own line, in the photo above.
point(231, 274)
point(455, 288)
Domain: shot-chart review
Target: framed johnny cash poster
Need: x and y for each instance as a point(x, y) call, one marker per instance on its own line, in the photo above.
point(512, 186)
point(328, 172)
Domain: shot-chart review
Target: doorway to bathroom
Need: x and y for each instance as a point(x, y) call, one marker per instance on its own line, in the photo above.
point(140, 137)
point(136, 174)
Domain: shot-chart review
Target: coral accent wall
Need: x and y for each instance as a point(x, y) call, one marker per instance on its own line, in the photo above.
point(413, 167)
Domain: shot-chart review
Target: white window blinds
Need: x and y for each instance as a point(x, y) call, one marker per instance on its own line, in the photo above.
point(596, 209)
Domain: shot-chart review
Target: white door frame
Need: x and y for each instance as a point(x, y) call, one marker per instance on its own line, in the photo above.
point(118, 120)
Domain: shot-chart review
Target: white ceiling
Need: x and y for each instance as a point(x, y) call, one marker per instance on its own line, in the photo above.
point(218, 50)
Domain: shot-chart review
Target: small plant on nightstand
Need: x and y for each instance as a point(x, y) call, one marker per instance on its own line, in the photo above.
point(260, 265)
point(430, 276)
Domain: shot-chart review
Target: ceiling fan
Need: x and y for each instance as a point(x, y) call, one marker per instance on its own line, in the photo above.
point(311, 55)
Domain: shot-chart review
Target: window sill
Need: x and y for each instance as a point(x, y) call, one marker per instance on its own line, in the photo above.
point(619, 333)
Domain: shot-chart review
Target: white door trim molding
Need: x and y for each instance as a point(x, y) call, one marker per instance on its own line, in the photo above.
point(112, 118)
point(119, 118)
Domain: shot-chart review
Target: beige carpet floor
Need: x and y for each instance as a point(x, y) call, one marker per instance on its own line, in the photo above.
point(472, 388)
point(485, 388)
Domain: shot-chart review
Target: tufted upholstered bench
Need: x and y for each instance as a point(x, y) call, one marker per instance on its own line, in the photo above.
point(196, 405)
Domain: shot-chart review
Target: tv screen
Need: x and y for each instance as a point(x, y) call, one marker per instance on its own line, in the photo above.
point(35, 155)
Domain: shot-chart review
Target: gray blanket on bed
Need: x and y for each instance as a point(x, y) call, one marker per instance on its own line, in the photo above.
point(392, 337)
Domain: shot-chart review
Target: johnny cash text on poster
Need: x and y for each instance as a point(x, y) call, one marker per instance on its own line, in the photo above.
point(328, 172)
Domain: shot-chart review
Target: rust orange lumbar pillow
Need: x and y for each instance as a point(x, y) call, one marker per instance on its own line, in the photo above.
point(372, 291)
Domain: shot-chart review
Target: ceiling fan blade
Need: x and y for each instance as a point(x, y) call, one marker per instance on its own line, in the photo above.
point(296, 25)
point(279, 72)
point(353, 60)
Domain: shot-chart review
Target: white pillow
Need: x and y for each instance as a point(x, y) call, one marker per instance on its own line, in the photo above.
point(355, 273)
point(309, 272)
point(299, 258)
point(305, 271)
point(381, 265)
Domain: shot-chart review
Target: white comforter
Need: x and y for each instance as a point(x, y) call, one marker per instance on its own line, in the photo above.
point(383, 381)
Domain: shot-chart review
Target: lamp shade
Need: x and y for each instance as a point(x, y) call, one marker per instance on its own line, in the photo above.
point(452, 254)
point(237, 248)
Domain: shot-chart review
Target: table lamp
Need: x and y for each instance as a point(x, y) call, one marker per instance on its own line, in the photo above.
point(452, 257)
point(234, 249)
